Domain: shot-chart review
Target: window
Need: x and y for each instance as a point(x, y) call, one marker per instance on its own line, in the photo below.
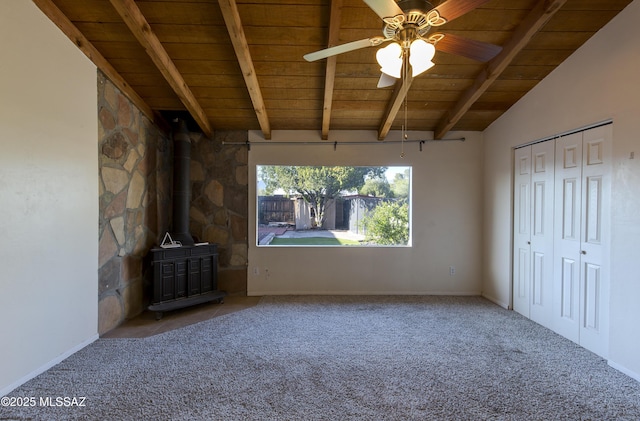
point(333, 206)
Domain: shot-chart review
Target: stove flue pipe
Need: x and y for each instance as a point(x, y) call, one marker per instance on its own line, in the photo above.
point(181, 183)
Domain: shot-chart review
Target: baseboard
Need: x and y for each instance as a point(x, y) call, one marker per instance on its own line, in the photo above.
point(45, 367)
point(624, 370)
point(496, 301)
point(371, 293)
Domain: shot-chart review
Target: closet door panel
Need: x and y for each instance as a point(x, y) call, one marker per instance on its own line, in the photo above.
point(537, 279)
point(569, 282)
point(592, 288)
point(542, 200)
point(522, 230)
point(595, 229)
point(570, 203)
point(567, 217)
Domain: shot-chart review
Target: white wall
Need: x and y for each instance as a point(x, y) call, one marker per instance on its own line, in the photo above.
point(599, 82)
point(48, 195)
point(446, 209)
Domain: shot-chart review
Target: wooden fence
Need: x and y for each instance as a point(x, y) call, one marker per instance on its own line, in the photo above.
point(276, 209)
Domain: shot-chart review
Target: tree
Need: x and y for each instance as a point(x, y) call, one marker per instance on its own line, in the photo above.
point(376, 187)
point(400, 185)
point(388, 224)
point(318, 186)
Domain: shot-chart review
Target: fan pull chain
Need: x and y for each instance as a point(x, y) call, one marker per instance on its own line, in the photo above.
point(404, 126)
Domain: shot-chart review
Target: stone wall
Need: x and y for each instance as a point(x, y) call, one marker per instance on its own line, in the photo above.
point(135, 202)
point(219, 202)
point(136, 160)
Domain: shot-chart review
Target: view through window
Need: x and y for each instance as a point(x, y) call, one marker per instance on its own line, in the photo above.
point(333, 206)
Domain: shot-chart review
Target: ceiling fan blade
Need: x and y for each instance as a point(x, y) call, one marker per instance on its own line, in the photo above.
point(451, 9)
point(344, 48)
point(385, 8)
point(385, 81)
point(465, 47)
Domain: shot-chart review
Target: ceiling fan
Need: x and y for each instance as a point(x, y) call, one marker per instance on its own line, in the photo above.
point(407, 24)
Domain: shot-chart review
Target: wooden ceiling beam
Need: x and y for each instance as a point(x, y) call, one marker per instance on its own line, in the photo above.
point(330, 73)
point(73, 33)
point(399, 94)
point(137, 23)
point(535, 20)
point(238, 39)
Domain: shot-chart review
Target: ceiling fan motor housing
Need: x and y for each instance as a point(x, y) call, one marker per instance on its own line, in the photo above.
point(415, 15)
point(422, 6)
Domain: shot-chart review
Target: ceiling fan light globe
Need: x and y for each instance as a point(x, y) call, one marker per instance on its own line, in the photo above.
point(421, 49)
point(390, 55)
point(420, 55)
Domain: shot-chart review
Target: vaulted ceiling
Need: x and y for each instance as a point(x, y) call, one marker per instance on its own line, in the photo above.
point(238, 64)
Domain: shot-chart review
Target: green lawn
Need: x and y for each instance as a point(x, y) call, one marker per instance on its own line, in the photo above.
point(313, 241)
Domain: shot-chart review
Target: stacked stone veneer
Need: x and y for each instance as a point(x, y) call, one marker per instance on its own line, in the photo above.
point(219, 202)
point(135, 202)
point(135, 165)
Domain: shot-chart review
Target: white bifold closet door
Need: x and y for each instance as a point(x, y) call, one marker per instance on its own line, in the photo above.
point(522, 230)
point(581, 239)
point(562, 194)
point(533, 232)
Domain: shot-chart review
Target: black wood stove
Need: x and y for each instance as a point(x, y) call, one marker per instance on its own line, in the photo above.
point(184, 273)
point(184, 276)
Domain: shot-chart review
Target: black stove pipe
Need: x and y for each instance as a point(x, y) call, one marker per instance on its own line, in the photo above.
point(181, 183)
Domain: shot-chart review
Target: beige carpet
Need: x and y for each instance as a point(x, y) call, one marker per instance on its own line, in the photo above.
point(340, 358)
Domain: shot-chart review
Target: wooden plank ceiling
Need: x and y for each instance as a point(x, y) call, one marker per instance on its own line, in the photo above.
point(237, 64)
